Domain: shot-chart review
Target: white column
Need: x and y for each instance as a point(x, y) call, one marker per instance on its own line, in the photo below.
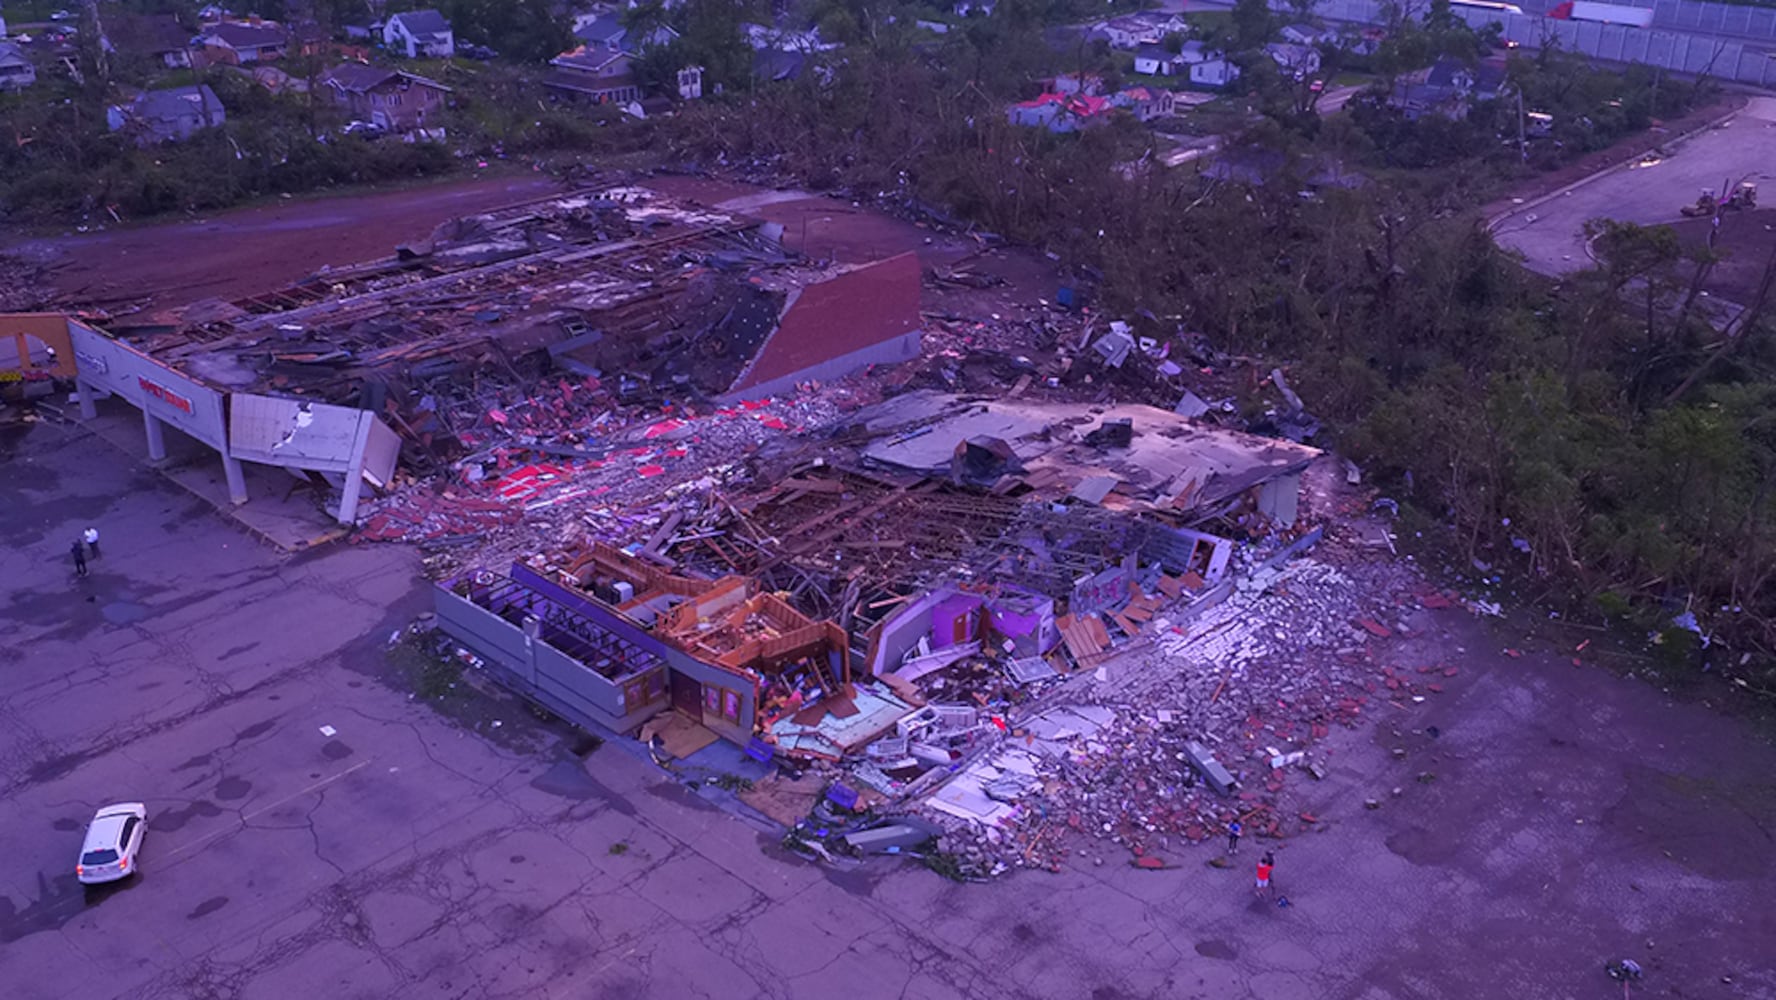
point(157, 449)
point(88, 398)
point(354, 471)
point(237, 480)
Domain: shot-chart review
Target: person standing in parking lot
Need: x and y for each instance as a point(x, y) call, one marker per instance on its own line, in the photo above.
point(91, 537)
point(78, 550)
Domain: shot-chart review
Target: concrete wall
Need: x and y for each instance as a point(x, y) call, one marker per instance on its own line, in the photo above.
point(901, 631)
point(677, 660)
point(159, 391)
point(538, 670)
point(487, 634)
point(1666, 44)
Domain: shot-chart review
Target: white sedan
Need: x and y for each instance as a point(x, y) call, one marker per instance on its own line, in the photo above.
point(113, 839)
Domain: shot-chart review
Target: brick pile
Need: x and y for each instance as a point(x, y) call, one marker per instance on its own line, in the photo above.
point(1270, 671)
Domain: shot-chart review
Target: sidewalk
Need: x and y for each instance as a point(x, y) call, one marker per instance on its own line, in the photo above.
point(283, 511)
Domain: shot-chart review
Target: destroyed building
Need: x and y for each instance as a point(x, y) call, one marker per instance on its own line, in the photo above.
point(811, 611)
point(525, 323)
point(659, 504)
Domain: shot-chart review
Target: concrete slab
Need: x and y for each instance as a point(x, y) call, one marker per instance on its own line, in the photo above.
point(281, 510)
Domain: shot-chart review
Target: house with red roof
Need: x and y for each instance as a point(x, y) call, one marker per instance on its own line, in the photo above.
point(1061, 112)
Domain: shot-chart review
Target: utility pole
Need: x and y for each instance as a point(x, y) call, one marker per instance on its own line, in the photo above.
point(1522, 138)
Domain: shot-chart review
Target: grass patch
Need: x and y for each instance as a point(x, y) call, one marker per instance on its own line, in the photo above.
point(730, 782)
point(431, 675)
point(945, 863)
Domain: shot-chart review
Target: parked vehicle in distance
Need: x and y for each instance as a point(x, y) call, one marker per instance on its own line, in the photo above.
point(369, 130)
point(113, 839)
point(1603, 13)
point(1486, 6)
point(62, 15)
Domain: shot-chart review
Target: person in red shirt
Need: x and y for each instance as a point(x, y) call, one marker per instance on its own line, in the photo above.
point(1266, 865)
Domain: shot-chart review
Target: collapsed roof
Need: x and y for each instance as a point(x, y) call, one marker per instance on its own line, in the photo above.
point(1121, 457)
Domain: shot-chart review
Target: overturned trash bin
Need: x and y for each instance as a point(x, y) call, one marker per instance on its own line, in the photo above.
point(1218, 777)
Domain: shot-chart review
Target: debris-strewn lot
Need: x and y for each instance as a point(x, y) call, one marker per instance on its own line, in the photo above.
point(1046, 601)
point(243, 252)
point(1574, 816)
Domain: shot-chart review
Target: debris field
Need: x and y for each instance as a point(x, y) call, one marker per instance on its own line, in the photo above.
point(1000, 588)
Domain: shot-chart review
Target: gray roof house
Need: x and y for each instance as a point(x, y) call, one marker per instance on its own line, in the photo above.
point(606, 30)
point(1449, 88)
point(16, 69)
point(157, 116)
point(419, 34)
point(1298, 61)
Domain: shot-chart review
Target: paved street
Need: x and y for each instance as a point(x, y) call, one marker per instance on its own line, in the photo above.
point(1550, 234)
point(1574, 817)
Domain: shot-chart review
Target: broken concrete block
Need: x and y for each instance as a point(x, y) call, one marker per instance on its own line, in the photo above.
point(1218, 777)
point(900, 835)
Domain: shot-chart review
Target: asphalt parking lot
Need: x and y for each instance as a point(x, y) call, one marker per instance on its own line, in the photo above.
point(1550, 234)
point(1575, 816)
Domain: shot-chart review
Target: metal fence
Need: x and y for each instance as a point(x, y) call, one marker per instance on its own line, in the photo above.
point(1721, 18)
point(1677, 50)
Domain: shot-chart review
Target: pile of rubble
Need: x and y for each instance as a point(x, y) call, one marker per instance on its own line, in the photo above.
point(1166, 744)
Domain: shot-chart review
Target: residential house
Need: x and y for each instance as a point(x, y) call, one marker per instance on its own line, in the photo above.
point(419, 34)
point(1151, 60)
point(1307, 34)
point(157, 37)
point(1215, 72)
point(593, 75)
point(169, 115)
point(1481, 82)
point(1207, 67)
point(1296, 61)
point(16, 68)
point(786, 36)
point(1147, 27)
point(397, 100)
point(605, 30)
point(233, 43)
point(1060, 112)
point(363, 31)
point(1145, 103)
point(1448, 88)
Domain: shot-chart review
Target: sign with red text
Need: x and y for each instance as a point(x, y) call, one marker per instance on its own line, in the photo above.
point(156, 389)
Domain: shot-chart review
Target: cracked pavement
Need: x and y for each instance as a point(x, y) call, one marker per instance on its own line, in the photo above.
point(406, 856)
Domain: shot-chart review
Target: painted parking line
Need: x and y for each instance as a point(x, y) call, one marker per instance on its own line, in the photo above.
point(248, 817)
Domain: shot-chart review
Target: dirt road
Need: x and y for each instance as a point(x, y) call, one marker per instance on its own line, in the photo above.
point(253, 250)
